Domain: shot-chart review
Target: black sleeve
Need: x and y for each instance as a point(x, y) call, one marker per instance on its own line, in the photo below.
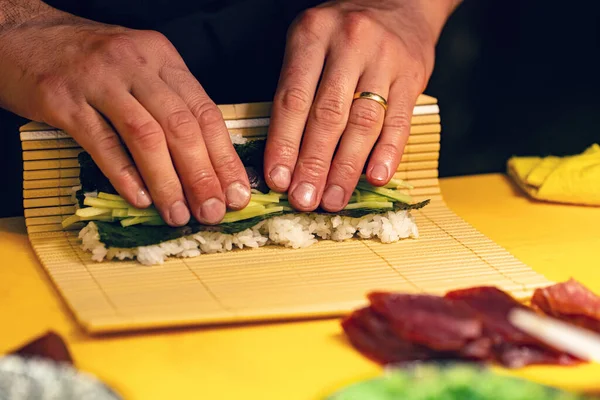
point(236, 52)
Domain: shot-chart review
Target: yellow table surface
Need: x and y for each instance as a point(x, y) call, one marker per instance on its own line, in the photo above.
point(303, 360)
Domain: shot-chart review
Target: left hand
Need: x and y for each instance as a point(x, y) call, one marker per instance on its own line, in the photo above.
point(320, 138)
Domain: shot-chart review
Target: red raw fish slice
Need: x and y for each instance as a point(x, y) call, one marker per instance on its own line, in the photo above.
point(519, 356)
point(493, 305)
point(478, 349)
point(371, 335)
point(570, 301)
point(432, 321)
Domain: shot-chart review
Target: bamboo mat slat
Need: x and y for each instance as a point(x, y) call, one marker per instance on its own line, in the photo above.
point(50, 183)
point(271, 283)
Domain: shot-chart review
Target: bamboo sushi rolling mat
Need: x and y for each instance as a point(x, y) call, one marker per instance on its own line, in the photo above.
point(271, 283)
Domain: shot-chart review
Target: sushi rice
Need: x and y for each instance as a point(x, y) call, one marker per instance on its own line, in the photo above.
point(293, 231)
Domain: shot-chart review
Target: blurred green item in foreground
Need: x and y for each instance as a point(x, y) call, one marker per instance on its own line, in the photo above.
point(460, 381)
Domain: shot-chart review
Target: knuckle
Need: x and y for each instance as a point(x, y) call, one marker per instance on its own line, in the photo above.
point(295, 99)
point(181, 124)
point(168, 189)
point(388, 150)
point(147, 134)
point(65, 114)
point(417, 73)
point(388, 47)
point(159, 42)
point(346, 169)
point(208, 114)
point(156, 37)
point(122, 47)
point(398, 121)
point(313, 166)
point(329, 111)
point(51, 85)
point(282, 148)
point(415, 68)
point(365, 115)
point(357, 23)
point(227, 163)
point(202, 181)
point(106, 144)
point(119, 44)
point(310, 25)
point(125, 174)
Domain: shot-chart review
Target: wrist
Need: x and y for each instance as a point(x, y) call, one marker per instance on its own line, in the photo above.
point(16, 13)
point(436, 13)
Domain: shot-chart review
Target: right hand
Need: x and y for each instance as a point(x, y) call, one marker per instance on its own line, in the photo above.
point(103, 83)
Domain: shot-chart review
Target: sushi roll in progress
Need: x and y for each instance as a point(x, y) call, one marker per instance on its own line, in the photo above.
point(116, 230)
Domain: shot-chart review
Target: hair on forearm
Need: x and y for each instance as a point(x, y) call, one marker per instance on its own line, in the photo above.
point(15, 12)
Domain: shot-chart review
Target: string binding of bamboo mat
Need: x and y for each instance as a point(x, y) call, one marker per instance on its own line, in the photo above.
point(328, 279)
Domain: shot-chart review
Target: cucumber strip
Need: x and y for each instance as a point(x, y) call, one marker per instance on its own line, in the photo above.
point(256, 204)
point(398, 183)
point(281, 196)
point(70, 220)
point(154, 221)
point(108, 196)
point(105, 218)
point(142, 212)
point(368, 197)
point(383, 205)
point(76, 218)
point(134, 221)
point(119, 213)
point(103, 203)
point(285, 205)
point(264, 198)
point(373, 197)
point(391, 194)
point(247, 213)
point(92, 211)
point(392, 184)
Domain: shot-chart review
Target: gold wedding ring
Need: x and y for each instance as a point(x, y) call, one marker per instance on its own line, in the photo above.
point(371, 96)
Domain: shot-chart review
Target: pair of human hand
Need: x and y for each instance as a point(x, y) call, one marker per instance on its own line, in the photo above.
point(113, 88)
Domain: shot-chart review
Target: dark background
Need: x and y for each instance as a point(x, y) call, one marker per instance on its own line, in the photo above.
point(512, 77)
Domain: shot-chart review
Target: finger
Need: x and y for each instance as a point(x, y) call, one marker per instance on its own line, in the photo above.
point(325, 125)
point(386, 155)
point(104, 146)
point(364, 126)
point(147, 144)
point(302, 66)
point(187, 148)
point(215, 135)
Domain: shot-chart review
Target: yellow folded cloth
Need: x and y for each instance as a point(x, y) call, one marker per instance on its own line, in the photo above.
point(571, 179)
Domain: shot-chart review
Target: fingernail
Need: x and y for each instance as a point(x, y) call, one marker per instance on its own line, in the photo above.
point(179, 213)
point(212, 211)
point(281, 176)
point(237, 195)
point(380, 172)
point(305, 194)
point(143, 199)
point(333, 198)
